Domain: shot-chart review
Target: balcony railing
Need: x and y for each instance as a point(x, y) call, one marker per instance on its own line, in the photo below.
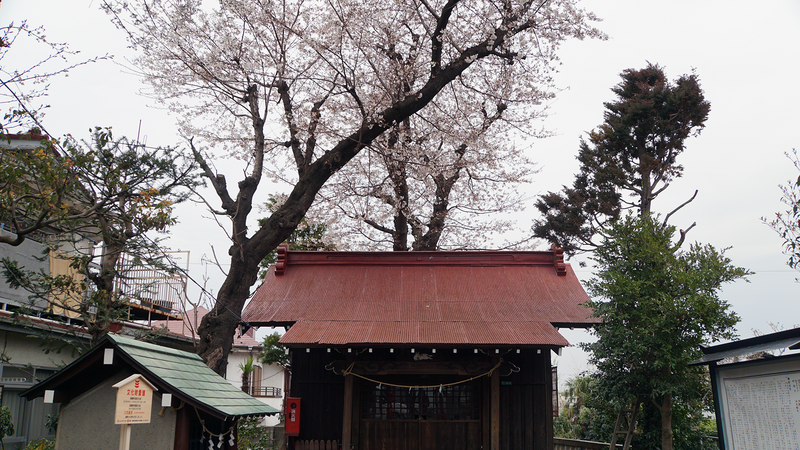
point(267, 391)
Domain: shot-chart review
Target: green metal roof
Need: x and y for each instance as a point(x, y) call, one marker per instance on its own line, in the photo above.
point(180, 373)
point(185, 373)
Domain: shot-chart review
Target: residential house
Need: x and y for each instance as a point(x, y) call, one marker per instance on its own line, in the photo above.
point(36, 343)
point(39, 337)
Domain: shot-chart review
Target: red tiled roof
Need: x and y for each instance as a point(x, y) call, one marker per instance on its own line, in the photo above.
point(436, 298)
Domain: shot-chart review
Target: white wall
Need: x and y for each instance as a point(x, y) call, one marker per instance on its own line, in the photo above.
point(271, 375)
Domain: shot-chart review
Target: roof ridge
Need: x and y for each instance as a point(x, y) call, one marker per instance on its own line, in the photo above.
point(128, 341)
point(482, 258)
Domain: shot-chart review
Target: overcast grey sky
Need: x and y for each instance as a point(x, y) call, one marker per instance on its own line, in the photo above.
point(744, 53)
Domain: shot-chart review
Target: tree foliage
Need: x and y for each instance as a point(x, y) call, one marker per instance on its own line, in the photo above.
point(585, 414)
point(308, 236)
point(308, 85)
point(35, 188)
point(575, 416)
point(436, 195)
point(274, 352)
point(252, 435)
point(6, 424)
point(787, 223)
point(589, 415)
point(657, 305)
point(628, 160)
point(106, 192)
point(41, 444)
point(247, 367)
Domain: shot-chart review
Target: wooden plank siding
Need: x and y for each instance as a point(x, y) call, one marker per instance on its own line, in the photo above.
point(514, 407)
point(525, 398)
point(419, 435)
point(322, 394)
point(316, 445)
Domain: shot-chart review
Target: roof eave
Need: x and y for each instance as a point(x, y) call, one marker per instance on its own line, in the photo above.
point(95, 355)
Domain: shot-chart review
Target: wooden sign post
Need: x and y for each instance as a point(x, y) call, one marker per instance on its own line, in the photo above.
point(134, 404)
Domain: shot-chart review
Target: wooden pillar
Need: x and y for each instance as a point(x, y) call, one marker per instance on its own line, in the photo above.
point(495, 410)
point(355, 429)
point(548, 392)
point(235, 432)
point(486, 412)
point(182, 426)
point(347, 419)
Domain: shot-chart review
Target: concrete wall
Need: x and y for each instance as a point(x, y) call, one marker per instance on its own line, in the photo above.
point(21, 349)
point(87, 422)
point(25, 255)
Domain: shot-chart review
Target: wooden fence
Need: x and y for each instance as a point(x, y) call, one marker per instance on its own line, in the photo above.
point(558, 444)
point(575, 444)
point(316, 445)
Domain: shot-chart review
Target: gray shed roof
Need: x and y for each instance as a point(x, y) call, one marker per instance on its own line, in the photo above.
point(783, 339)
point(180, 373)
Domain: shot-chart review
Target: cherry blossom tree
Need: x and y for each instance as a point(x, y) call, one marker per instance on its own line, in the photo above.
point(297, 89)
point(441, 178)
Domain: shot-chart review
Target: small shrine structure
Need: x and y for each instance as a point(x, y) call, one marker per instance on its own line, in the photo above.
point(422, 350)
point(191, 405)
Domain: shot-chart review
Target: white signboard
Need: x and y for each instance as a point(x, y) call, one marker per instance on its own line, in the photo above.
point(134, 400)
point(760, 407)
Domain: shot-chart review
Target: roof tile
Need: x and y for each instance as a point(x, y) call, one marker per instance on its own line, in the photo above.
point(474, 298)
point(187, 374)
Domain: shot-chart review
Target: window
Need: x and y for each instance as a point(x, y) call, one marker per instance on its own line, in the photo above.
point(255, 380)
point(457, 402)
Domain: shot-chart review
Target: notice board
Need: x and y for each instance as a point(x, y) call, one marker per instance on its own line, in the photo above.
point(134, 400)
point(759, 404)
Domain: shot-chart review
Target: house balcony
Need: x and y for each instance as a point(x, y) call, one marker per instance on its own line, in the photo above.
point(149, 310)
point(265, 391)
point(151, 292)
